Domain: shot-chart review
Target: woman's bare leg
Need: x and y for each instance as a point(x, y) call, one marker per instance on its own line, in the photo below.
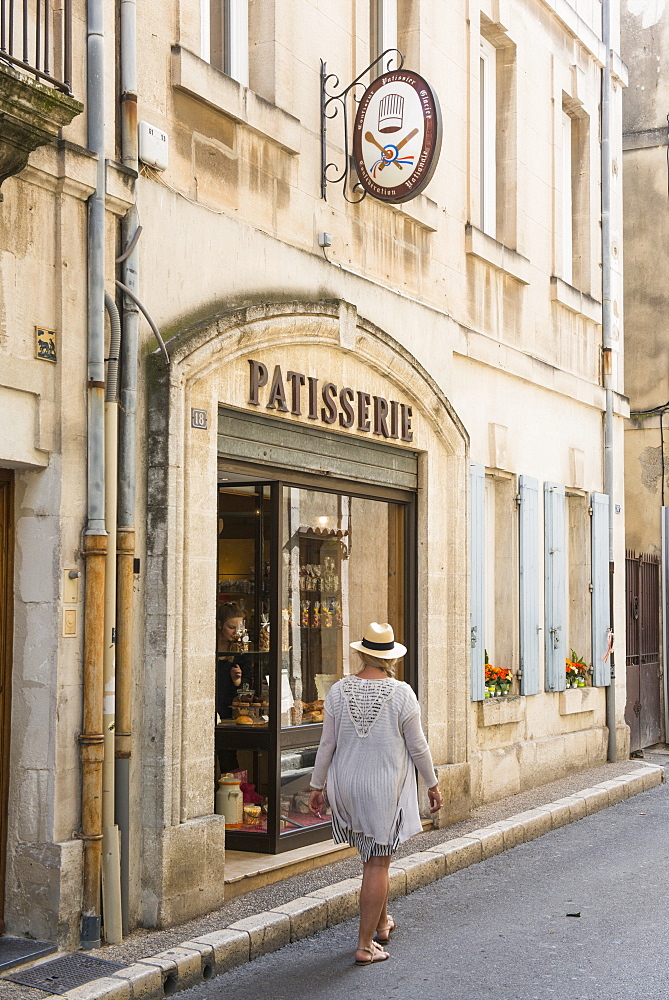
point(373, 900)
point(385, 919)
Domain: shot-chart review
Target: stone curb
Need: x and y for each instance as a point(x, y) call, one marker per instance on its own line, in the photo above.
point(209, 955)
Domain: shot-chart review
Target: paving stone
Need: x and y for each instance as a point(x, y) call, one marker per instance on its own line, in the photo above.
point(343, 899)
point(397, 879)
point(188, 964)
point(267, 932)
point(459, 853)
point(513, 833)
point(231, 948)
point(145, 980)
point(625, 786)
point(307, 916)
point(491, 840)
point(577, 808)
point(107, 988)
point(595, 799)
point(560, 813)
point(535, 822)
point(422, 868)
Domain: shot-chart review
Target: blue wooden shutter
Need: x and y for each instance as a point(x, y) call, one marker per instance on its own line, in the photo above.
point(555, 598)
point(477, 580)
point(601, 609)
point(529, 585)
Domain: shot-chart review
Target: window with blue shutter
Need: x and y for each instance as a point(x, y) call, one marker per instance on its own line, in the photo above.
point(477, 580)
point(601, 609)
point(555, 603)
point(529, 584)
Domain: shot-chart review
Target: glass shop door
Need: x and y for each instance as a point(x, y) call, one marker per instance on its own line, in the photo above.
point(343, 565)
point(245, 751)
point(301, 572)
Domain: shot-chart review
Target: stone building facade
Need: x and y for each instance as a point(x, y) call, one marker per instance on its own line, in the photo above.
point(644, 35)
point(466, 325)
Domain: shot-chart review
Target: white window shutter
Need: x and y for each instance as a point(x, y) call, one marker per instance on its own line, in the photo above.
point(477, 580)
point(601, 610)
point(529, 585)
point(555, 598)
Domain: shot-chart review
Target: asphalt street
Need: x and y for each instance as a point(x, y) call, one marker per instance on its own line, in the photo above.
point(503, 929)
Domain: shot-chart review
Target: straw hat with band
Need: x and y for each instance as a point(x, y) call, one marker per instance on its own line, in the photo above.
point(379, 640)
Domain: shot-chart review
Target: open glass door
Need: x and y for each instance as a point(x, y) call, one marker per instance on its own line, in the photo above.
point(342, 566)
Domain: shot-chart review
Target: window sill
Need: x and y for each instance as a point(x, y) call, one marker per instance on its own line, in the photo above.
point(421, 210)
point(478, 244)
point(575, 301)
point(575, 700)
point(195, 77)
point(500, 711)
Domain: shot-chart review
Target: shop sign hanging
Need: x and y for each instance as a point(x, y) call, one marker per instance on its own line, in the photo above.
point(397, 136)
point(328, 403)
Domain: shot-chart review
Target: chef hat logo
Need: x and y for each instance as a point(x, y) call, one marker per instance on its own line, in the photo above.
point(391, 113)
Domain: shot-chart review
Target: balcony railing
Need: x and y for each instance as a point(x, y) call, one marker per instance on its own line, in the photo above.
point(36, 36)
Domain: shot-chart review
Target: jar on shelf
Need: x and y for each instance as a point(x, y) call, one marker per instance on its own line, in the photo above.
point(230, 800)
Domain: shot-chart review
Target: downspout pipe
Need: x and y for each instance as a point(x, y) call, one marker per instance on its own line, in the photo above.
point(129, 264)
point(607, 347)
point(95, 540)
point(111, 859)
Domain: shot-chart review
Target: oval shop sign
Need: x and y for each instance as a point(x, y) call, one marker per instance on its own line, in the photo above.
point(397, 136)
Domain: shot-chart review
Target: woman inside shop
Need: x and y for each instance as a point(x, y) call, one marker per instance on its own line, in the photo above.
point(233, 667)
point(372, 741)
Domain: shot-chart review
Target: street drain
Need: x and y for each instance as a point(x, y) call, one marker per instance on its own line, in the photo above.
point(63, 974)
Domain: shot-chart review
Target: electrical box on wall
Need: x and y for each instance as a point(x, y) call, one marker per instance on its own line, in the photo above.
point(153, 146)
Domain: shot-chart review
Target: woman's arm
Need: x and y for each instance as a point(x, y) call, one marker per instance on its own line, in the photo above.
point(416, 744)
point(326, 749)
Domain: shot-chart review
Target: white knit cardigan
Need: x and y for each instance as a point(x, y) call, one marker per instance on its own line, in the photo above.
point(372, 738)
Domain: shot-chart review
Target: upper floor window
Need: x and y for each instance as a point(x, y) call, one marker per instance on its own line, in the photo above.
point(225, 37)
point(498, 129)
point(382, 27)
point(488, 147)
point(575, 182)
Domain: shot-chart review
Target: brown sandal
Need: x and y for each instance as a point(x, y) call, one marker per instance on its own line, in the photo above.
point(384, 936)
point(376, 955)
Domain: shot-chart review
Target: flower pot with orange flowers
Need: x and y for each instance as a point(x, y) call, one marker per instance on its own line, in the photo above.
point(497, 680)
point(576, 670)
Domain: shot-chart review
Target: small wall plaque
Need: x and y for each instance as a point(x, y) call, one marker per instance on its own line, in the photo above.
point(198, 418)
point(45, 344)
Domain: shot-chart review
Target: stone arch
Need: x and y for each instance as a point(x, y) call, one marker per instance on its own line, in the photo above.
point(207, 368)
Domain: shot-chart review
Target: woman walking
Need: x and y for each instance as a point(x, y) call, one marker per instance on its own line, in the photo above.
point(372, 739)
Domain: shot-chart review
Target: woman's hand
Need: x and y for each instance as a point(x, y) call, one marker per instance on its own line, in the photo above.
point(316, 803)
point(436, 801)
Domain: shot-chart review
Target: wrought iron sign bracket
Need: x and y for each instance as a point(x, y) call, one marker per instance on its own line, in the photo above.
point(334, 102)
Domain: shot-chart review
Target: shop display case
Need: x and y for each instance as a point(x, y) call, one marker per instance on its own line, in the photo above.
point(292, 585)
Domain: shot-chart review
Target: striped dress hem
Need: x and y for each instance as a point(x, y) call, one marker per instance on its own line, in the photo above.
point(366, 846)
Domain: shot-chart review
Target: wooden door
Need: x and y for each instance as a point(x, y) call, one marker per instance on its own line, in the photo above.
point(6, 634)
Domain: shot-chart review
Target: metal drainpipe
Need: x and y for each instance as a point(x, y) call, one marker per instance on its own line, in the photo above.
point(111, 882)
point(607, 345)
point(95, 541)
point(126, 471)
